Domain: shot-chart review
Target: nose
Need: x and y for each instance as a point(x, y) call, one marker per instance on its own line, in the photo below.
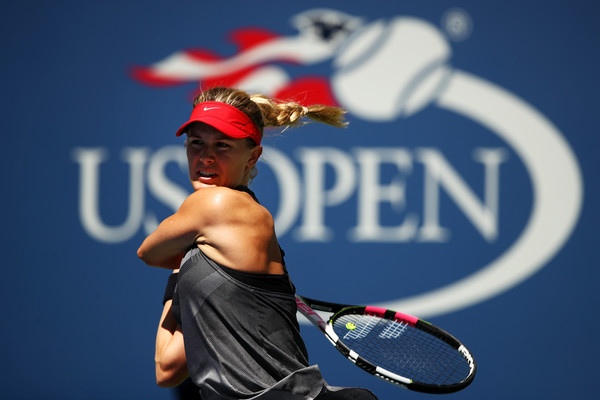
point(206, 155)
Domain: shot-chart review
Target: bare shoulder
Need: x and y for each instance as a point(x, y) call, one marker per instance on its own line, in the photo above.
point(236, 231)
point(224, 204)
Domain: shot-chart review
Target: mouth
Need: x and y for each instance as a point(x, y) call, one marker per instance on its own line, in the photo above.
point(206, 174)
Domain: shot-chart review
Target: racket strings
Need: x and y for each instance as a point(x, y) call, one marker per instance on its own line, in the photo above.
point(402, 349)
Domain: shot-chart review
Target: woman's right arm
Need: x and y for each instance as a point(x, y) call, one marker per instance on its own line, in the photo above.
point(166, 246)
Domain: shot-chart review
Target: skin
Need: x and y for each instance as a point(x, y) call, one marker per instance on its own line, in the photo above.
point(209, 218)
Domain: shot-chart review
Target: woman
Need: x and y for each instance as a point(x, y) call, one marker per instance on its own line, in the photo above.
point(231, 323)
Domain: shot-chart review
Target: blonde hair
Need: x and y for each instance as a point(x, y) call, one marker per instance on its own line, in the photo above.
point(278, 113)
point(265, 111)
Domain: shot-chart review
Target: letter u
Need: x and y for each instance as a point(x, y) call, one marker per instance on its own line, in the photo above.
point(89, 181)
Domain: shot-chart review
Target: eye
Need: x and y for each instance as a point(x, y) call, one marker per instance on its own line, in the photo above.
point(194, 142)
point(223, 145)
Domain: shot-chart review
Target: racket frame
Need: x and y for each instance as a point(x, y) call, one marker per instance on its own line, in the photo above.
point(307, 307)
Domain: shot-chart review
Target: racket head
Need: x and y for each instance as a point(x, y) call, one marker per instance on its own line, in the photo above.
point(402, 349)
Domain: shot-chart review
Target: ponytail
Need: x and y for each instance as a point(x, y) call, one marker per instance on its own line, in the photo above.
point(277, 113)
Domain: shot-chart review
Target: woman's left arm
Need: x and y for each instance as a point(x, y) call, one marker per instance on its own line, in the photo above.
point(169, 357)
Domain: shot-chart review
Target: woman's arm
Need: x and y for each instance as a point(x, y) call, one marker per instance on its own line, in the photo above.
point(169, 357)
point(166, 246)
point(209, 218)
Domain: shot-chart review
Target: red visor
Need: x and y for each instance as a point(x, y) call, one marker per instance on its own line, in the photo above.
point(227, 119)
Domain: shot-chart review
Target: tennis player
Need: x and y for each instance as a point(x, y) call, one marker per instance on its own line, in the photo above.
point(229, 317)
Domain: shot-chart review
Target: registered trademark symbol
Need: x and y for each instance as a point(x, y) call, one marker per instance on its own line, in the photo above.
point(457, 23)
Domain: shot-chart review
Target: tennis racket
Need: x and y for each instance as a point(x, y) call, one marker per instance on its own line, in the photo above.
point(396, 347)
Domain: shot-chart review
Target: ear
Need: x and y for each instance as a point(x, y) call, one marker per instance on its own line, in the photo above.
point(255, 154)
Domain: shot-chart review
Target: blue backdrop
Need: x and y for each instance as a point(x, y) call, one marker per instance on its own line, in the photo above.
point(464, 190)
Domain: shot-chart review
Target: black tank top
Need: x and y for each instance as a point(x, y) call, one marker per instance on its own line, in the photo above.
point(242, 340)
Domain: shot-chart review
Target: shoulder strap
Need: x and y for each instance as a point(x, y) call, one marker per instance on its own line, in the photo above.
point(243, 188)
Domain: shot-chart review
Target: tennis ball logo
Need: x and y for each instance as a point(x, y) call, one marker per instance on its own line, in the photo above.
point(391, 69)
point(350, 326)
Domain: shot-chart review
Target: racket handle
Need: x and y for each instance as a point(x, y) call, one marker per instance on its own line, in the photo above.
point(310, 314)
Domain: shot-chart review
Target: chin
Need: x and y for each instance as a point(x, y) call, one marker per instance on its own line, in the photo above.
point(200, 185)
